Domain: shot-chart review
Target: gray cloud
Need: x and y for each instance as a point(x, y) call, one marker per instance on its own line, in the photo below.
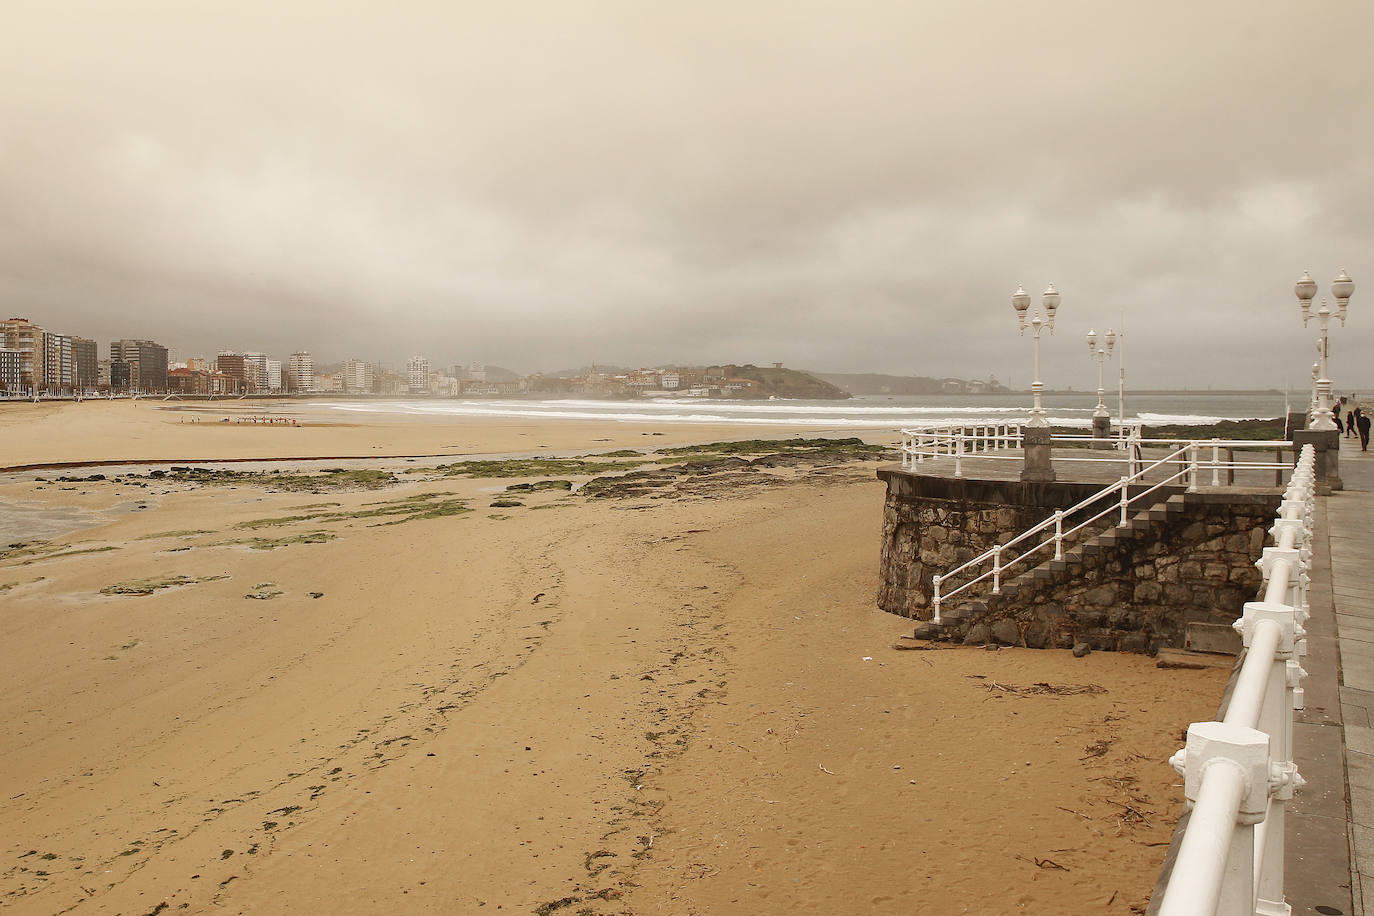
point(855, 187)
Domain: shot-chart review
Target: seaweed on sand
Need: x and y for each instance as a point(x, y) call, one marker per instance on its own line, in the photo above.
point(139, 587)
point(396, 511)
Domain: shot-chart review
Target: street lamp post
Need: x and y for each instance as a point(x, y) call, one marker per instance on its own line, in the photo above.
point(1102, 418)
point(1342, 287)
point(1036, 441)
point(1322, 431)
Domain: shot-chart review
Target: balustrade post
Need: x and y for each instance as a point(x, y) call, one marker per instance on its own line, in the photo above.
point(1192, 468)
point(935, 598)
point(1059, 534)
point(1216, 463)
point(959, 454)
point(1275, 719)
point(1225, 771)
point(1125, 498)
point(997, 570)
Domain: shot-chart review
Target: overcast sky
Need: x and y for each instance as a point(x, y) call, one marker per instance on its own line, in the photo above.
point(853, 186)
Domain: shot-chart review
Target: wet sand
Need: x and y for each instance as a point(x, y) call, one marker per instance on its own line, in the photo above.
point(629, 705)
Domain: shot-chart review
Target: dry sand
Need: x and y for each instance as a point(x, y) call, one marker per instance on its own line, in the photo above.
point(607, 706)
point(150, 429)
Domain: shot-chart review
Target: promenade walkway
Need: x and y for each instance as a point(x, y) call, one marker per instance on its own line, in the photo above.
point(1330, 851)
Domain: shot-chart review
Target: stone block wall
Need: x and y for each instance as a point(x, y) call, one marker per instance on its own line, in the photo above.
point(1135, 590)
point(931, 524)
point(1141, 592)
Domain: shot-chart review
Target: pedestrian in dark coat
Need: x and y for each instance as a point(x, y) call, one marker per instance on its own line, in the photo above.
point(1349, 423)
point(1362, 421)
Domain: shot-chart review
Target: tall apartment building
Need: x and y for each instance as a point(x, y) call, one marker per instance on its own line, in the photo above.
point(358, 377)
point(86, 363)
point(417, 375)
point(26, 337)
point(58, 363)
point(121, 375)
point(274, 376)
point(255, 372)
point(10, 376)
point(300, 371)
point(147, 363)
point(231, 366)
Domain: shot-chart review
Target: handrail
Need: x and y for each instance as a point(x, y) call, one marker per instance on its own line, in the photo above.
point(1002, 441)
point(1122, 487)
point(1239, 772)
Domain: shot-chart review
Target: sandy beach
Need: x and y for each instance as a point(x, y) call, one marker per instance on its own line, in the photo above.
point(154, 430)
point(375, 691)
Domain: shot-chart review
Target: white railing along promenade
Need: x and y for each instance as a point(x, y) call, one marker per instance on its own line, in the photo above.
point(1239, 773)
point(957, 440)
point(1002, 441)
point(1180, 467)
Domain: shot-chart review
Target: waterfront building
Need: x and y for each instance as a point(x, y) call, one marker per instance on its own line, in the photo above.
point(188, 381)
point(417, 375)
point(11, 379)
point(57, 362)
point(86, 364)
point(121, 375)
point(147, 363)
point(255, 373)
point(231, 366)
point(274, 376)
point(221, 384)
point(199, 364)
point(26, 337)
point(300, 371)
point(358, 377)
point(388, 381)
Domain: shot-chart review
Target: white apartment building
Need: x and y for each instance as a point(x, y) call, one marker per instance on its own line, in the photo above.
point(417, 375)
point(358, 377)
point(274, 376)
point(300, 371)
point(255, 372)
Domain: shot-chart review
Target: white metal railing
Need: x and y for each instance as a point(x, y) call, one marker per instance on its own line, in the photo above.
point(956, 440)
point(1002, 441)
point(1181, 467)
point(1239, 773)
point(1120, 499)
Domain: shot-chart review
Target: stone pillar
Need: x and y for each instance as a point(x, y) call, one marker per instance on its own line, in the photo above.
point(1297, 420)
point(1102, 432)
point(1328, 445)
point(1036, 447)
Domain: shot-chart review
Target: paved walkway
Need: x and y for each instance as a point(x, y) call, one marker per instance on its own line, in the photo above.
point(1330, 853)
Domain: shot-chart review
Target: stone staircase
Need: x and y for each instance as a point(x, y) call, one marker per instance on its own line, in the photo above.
point(1031, 607)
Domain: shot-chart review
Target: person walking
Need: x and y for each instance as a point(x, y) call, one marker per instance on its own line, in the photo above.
point(1362, 420)
point(1349, 423)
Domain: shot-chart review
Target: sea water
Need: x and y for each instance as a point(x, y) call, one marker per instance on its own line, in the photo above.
point(862, 412)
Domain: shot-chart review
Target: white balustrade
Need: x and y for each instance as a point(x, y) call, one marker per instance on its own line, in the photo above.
point(1239, 773)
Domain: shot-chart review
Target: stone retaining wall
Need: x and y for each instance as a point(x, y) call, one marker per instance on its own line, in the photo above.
point(1134, 593)
point(932, 524)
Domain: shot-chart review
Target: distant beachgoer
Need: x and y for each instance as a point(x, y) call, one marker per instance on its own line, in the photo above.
point(1362, 420)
